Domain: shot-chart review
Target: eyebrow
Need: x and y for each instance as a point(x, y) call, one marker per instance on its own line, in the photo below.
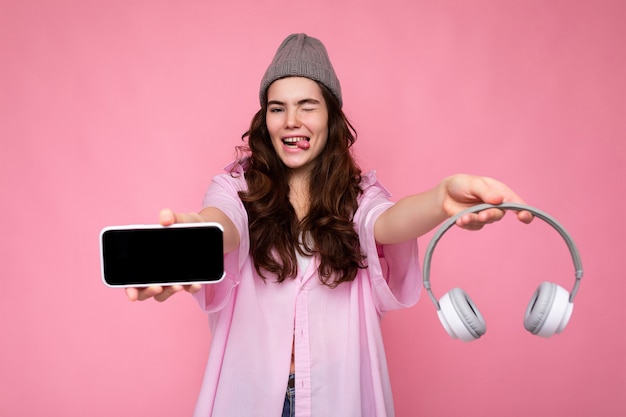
point(299, 103)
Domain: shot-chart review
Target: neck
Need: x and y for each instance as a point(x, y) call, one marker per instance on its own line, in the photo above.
point(299, 194)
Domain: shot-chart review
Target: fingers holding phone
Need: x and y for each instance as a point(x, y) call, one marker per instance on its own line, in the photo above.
point(168, 217)
point(141, 294)
point(159, 293)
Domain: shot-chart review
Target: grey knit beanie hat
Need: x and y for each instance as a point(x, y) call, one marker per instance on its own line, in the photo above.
point(301, 56)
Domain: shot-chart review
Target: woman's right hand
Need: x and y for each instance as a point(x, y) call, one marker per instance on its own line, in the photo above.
point(161, 293)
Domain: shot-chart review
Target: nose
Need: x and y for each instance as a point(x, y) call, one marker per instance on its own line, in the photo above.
point(292, 120)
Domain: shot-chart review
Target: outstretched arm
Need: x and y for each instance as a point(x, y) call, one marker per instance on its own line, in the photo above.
point(416, 215)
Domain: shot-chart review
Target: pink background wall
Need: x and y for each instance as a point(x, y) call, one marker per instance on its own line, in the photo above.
point(111, 110)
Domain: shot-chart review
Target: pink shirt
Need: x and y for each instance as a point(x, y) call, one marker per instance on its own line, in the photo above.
point(340, 363)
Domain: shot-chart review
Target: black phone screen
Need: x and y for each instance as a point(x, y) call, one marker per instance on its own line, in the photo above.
point(162, 255)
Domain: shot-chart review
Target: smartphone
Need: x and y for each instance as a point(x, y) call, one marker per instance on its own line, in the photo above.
point(147, 255)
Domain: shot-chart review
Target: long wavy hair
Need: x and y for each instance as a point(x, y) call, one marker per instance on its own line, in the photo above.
point(327, 230)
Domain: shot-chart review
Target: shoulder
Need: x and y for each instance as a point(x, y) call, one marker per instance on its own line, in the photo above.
point(374, 199)
point(372, 186)
point(233, 176)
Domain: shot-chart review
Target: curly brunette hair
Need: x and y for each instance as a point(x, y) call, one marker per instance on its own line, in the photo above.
point(334, 190)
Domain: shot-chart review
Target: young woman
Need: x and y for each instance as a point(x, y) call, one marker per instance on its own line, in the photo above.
point(315, 254)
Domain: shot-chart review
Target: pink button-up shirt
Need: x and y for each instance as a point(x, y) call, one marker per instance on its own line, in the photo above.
point(340, 363)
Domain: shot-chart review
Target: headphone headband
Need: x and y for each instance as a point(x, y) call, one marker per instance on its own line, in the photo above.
point(504, 206)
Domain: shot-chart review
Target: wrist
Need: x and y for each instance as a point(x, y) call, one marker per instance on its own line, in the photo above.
point(444, 203)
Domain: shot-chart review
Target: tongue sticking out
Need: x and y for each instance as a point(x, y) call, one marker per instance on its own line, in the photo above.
point(303, 144)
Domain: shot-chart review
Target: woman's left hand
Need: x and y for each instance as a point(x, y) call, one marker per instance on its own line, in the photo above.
point(463, 191)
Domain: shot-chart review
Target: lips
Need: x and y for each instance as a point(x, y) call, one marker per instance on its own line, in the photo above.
point(297, 142)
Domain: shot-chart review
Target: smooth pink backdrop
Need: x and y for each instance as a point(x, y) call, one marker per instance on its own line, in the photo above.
point(111, 110)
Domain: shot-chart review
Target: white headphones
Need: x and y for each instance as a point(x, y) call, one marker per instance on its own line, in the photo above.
point(550, 307)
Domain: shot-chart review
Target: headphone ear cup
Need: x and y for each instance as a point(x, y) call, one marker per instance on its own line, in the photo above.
point(549, 310)
point(460, 316)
